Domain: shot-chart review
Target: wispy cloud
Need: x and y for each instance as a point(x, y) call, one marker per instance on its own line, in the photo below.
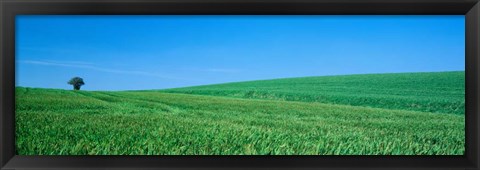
point(71, 62)
point(90, 66)
point(217, 70)
point(46, 49)
point(77, 64)
point(222, 70)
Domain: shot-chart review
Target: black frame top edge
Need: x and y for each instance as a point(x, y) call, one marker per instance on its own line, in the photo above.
point(239, 7)
point(255, 1)
point(10, 8)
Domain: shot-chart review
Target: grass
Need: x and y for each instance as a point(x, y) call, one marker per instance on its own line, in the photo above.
point(441, 92)
point(229, 119)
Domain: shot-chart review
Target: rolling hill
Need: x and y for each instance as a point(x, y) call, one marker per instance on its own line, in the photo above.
point(375, 114)
point(440, 92)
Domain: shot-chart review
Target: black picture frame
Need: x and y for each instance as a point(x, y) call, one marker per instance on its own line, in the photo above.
point(10, 8)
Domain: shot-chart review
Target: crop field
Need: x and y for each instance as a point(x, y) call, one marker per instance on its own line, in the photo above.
point(372, 114)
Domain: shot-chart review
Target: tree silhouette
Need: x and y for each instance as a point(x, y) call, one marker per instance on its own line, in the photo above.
point(77, 82)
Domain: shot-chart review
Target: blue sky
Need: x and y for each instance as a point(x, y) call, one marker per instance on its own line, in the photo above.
point(156, 52)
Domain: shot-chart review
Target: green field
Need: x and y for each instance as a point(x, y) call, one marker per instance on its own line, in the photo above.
point(372, 114)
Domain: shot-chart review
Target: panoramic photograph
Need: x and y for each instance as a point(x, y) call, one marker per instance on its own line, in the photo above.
point(240, 85)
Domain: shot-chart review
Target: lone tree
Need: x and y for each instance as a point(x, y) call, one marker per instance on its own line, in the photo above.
point(76, 82)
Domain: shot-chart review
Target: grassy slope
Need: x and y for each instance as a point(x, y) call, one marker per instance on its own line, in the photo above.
point(56, 122)
point(442, 92)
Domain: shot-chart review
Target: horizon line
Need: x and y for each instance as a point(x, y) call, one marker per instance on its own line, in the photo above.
point(331, 75)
